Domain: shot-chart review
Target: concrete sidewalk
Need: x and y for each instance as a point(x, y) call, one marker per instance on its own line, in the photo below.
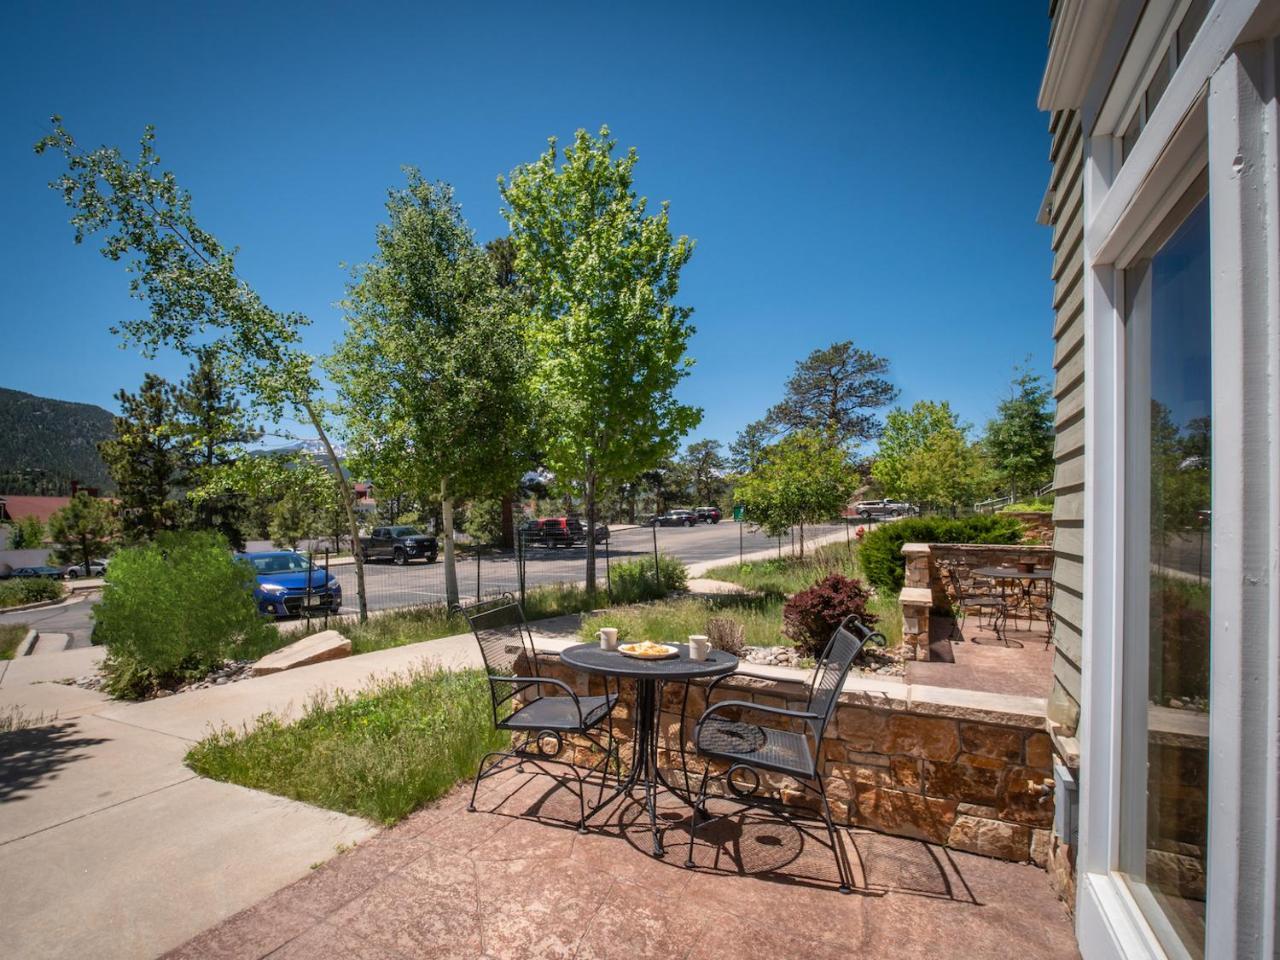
point(111, 848)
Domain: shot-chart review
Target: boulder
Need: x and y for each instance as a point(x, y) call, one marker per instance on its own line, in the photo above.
point(326, 645)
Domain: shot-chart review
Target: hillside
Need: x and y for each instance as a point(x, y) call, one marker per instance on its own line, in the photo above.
point(45, 444)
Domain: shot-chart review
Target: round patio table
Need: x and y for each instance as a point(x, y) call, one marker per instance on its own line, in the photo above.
point(648, 675)
point(1026, 581)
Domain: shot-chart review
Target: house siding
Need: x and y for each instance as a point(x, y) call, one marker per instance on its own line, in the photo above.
point(1066, 218)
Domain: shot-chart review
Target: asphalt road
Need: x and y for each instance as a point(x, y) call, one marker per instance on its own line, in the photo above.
point(389, 586)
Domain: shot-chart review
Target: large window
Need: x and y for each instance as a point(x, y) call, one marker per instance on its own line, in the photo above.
point(1165, 778)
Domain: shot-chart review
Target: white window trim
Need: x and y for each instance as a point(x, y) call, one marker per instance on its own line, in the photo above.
point(1223, 120)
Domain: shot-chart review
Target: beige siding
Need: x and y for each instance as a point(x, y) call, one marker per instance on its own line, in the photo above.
point(1066, 154)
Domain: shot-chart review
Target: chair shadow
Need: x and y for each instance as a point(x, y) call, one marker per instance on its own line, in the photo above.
point(32, 757)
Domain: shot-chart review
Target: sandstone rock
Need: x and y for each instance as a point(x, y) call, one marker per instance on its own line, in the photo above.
point(326, 645)
point(987, 740)
point(961, 781)
point(906, 773)
point(905, 814)
point(1023, 798)
point(991, 838)
point(1041, 843)
point(1040, 751)
point(928, 737)
point(859, 727)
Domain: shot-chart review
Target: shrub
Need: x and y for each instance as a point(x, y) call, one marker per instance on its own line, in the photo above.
point(173, 609)
point(727, 635)
point(811, 616)
point(632, 580)
point(881, 550)
point(14, 593)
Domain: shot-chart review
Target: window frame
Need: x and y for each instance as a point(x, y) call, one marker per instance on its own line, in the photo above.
point(1218, 113)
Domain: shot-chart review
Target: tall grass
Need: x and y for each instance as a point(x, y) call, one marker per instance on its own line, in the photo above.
point(777, 579)
point(11, 635)
point(380, 754)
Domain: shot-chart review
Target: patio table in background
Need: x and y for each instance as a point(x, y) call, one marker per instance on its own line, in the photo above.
point(1026, 581)
point(649, 675)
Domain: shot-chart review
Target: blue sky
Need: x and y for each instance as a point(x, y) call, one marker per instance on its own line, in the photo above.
point(849, 171)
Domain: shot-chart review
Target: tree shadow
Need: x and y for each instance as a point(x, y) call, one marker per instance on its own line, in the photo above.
point(29, 758)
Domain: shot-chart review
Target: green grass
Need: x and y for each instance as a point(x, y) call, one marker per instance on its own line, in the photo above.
point(381, 754)
point(761, 619)
point(788, 575)
point(673, 620)
point(776, 580)
point(11, 635)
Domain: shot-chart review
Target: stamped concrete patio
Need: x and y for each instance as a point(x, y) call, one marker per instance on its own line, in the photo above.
point(515, 879)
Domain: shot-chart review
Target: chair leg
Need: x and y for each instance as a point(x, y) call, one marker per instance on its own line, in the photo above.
point(475, 785)
point(693, 821)
point(836, 848)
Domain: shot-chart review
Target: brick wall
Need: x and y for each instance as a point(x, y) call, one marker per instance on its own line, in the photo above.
point(969, 773)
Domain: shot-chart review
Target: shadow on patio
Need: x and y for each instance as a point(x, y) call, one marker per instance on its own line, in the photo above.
point(515, 879)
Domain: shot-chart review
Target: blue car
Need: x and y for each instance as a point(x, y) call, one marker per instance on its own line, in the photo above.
point(283, 579)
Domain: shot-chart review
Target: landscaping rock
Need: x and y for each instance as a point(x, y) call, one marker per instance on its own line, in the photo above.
point(317, 648)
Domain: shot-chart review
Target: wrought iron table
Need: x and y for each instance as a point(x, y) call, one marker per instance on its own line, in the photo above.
point(1026, 581)
point(649, 676)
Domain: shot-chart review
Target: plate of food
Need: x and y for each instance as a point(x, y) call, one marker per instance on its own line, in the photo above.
point(648, 650)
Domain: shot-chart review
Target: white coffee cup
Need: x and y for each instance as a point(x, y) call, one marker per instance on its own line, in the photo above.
point(608, 638)
point(699, 647)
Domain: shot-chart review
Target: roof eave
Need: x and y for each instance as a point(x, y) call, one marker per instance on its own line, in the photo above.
point(1079, 29)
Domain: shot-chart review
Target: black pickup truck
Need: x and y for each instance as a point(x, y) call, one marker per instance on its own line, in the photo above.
point(399, 545)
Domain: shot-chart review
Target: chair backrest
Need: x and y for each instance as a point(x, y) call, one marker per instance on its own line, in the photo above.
point(833, 666)
point(503, 635)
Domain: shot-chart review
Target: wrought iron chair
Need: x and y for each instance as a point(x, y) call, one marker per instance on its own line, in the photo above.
point(540, 723)
point(963, 600)
point(750, 748)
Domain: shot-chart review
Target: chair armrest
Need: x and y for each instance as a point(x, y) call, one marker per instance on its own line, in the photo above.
point(526, 682)
point(760, 707)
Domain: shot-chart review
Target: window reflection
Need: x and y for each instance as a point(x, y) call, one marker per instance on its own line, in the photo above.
point(1165, 828)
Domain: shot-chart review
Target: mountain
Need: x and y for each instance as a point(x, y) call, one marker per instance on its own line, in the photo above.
point(45, 444)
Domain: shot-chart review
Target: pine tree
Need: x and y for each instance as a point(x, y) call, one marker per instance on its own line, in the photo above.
point(215, 431)
point(147, 458)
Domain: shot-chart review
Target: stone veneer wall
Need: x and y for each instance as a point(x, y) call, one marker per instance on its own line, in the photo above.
point(1037, 525)
point(966, 772)
point(927, 587)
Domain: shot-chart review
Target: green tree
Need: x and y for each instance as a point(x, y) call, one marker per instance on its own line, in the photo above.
point(1019, 439)
point(432, 369)
point(189, 281)
point(82, 531)
point(803, 478)
point(215, 431)
point(293, 519)
point(836, 390)
point(925, 457)
point(26, 533)
point(502, 255)
point(484, 522)
point(705, 466)
point(147, 458)
point(608, 339)
point(745, 450)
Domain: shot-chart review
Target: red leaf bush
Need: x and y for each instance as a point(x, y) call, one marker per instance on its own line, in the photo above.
point(812, 615)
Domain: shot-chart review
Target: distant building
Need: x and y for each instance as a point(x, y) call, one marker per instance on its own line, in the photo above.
point(14, 507)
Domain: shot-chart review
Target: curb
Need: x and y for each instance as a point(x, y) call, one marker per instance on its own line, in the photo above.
point(26, 644)
point(40, 604)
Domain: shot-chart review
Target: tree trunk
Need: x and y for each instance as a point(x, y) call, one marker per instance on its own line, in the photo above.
point(508, 522)
point(590, 497)
point(344, 490)
point(801, 539)
point(446, 529)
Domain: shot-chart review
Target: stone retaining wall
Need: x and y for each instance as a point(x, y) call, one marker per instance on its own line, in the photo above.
point(958, 768)
point(928, 584)
point(1037, 524)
